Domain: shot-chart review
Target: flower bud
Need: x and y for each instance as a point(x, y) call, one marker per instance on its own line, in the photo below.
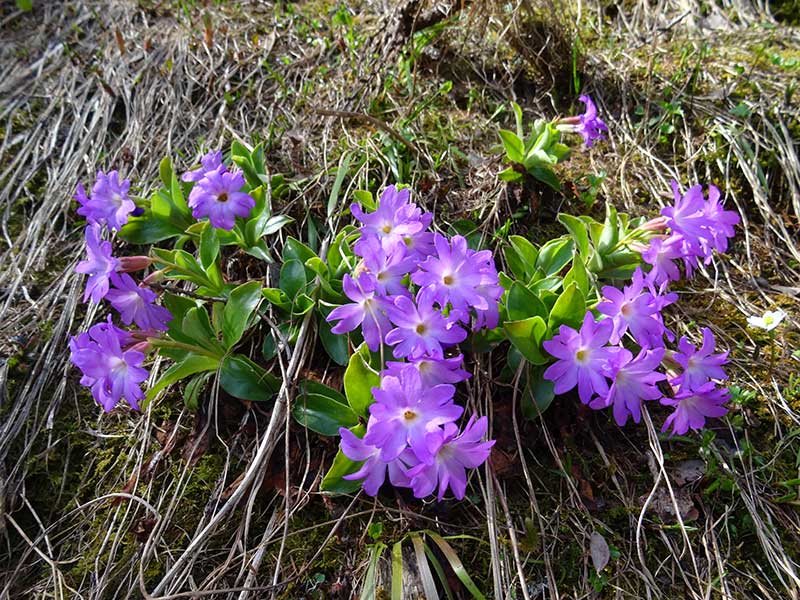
point(128, 264)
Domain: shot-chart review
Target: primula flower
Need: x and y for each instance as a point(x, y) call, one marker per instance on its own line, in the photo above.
point(99, 264)
point(394, 220)
point(634, 380)
point(591, 126)
point(660, 254)
point(721, 221)
point(109, 203)
point(633, 309)
point(405, 411)
point(692, 407)
point(699, 366)
point(208, 163)
point(457, 275)
point(452, 454)
point(368, 310)
point(768, 322)
point(703, 225)
point(582, 358)
point(433, 371)
point(373, 470)
point(218, 196)
point(421, 329)
point(388, 268)
point(111, 372)
point(136, 303)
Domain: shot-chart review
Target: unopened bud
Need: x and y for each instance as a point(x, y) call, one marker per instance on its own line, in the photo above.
point(154, 277)
point(657, 224)
point(128, 264)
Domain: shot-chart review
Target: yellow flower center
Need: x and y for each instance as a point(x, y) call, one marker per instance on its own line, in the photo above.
point(447, 280)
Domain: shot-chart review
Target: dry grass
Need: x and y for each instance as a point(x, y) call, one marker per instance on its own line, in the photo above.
point(225, 503)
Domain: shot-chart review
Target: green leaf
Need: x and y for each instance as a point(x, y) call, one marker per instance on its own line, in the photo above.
point(197, 326)
point(610, 235)
point(209, 246)
point(322, 413)
point(523, 303)
point(509, 175)
point(359, 379)
point(554, 255)
point(293, 278)
point(193, 363)
point(547, 176)
point(297, 250)
point(240, 306)
point(515, 149)
point(527, 336)
point(515, 263)
point(341, 172)
point(365, 199)
point(244, 379)
point(526, 250)
point(577, 229)
point(397, 571)
point(335, 344)
point(277, 297)
point(569, 309)
point(333, 482)
point(456, 565)
point(579, 275)
point(176, 194)
point(517, 118)
point(165, 171)
point(274, 224)
point(538, 394)
point(191, 393)
point(148, 230)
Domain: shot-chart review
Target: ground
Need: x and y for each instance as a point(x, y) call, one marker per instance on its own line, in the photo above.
point(127, 504)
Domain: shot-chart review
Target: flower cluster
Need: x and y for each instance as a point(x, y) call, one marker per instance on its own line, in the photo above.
point(697, 225)
point(609, 374)
point(418, 292)
point(109, 357)
point(217, 193)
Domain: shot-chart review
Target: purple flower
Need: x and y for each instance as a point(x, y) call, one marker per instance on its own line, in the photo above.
point(109, 203)
point(660, 254)
point(405, 411)
point(208, 163)
point(373, 470)
point(433, 371)
point(420, 245)
point(634, 380)
point(111, 372)
point(452, 454)
point(422, 329)
point(99, 265)
point(456, 273)
point(368, 310)
point(703, 225)
point(591, 126)
point(136, 303)
point(582, 358)
point(699, 366)
point(218, 196)
point(394, 220)
point(692, 407)
point(720, 221)
point(388, 268)
point(633, 309)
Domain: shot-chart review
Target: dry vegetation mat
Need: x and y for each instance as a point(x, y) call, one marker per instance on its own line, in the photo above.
point(404, 299)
